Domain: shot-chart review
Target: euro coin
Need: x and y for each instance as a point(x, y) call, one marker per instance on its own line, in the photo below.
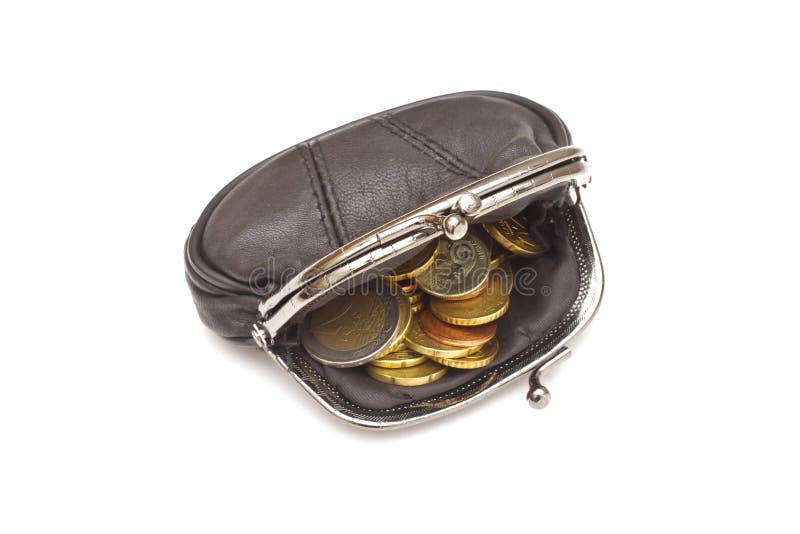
point(458, 336)
point(498, 256)
point(399, 344)
point(408, 287)
point(479, 359)
point(399, 359)
point(473, 294)
point(417, 375)
point(418, 341)
point(481, 310)
point(355, 328)
point(411, 268)
point(459, 268)
point(415, 297)
point(513, 235)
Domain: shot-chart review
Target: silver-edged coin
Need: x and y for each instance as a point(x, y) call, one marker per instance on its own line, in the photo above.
point(357, 327)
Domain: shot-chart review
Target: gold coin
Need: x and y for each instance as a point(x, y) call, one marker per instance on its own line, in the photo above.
point(458, 269)
point(357, 327)
point(481, 310)
point(417, 375)
point(416, 297)
point(399, 359)
point(401, 345)
point(414, 266)
point(418, 307)
point(472, 294)
point(481, 358)
point(498, 256)
point(513, 235)
point(418, 341)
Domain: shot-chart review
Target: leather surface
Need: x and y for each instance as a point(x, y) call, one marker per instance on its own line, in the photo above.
point(295, 207)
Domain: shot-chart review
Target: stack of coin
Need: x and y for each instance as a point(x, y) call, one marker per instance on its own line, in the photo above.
point(437, 311)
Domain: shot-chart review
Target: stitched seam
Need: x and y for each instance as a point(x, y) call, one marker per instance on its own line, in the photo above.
point(324, 194)
point(422, 138)
point(422, 147)
point(314, 188)
point(321, 165)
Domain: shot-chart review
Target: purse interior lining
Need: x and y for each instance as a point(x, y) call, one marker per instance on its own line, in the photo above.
point(554, 277)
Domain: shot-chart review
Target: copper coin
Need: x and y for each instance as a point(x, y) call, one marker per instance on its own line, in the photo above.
point(407, 287)
point(458, 336)
point(418, 341)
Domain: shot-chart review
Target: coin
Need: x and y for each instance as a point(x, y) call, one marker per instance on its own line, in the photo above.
point(459, 268)
point(414, 266)
point(408, 287)
point(481, 358)
point(480, 310)
point(417, 375)
point(357, 327)
point(498, 256)
point(472, 294)
point(513, 235)
point(416, 297)
point(418, 307)
point(458, 336)
point(399, 344)
point(399, 359)
point(418, 341)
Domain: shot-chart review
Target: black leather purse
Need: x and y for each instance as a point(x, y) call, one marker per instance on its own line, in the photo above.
point(280, 238)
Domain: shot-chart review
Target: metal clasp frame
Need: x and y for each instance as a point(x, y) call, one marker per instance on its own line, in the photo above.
point(450, 216)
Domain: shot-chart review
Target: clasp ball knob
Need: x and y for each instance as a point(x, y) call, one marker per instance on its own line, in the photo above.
point(468, 204)
point(455, 226)
point(538, 396)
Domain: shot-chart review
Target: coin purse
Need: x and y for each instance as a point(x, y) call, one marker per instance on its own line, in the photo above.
point(281, 239)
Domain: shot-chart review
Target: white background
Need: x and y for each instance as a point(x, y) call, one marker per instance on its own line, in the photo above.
point(120, 412)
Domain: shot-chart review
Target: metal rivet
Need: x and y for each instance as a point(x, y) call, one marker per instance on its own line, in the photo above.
point(259, 336)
